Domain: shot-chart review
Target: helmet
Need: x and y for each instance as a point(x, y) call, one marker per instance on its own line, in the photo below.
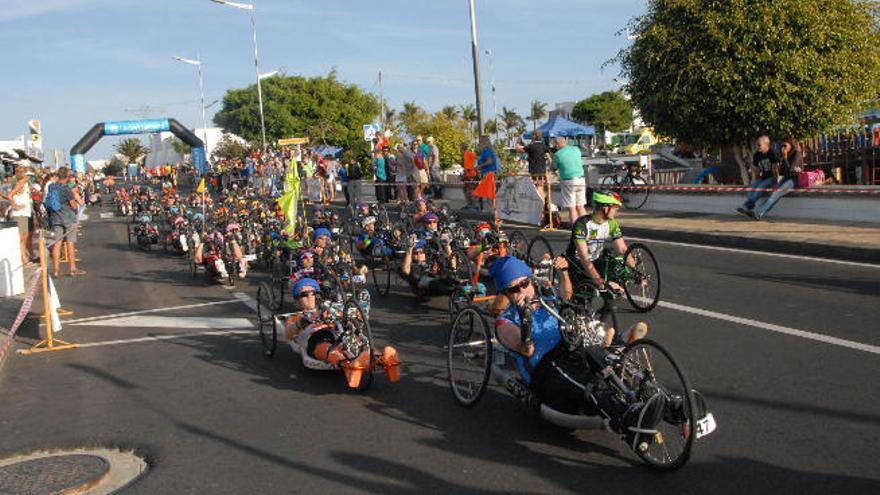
point(482, 229)
point(607, 198)
point(306, 254)
point(420, 244)
point(368, 220)
point(232, 226)
point(322, 232)
point(430, 217)
point(305, 283)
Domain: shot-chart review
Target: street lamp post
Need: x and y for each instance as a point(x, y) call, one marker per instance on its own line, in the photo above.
point(476, 56)
point(198, 63)
point(492, 87)
point(250, 8)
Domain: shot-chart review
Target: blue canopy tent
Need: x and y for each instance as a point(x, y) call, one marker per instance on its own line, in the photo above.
point(327, 151)
point(558, 126)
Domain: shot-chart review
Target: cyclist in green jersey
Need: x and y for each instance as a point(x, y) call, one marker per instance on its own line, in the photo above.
point(590, 235)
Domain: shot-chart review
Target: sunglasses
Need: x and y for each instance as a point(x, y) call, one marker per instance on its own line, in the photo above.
point(420, 251)
point(517, 288)
point(304, 295)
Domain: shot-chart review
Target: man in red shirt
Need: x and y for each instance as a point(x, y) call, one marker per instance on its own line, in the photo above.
point(469, 160)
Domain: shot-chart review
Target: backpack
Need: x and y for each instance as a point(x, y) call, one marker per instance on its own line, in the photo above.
point(52, 201)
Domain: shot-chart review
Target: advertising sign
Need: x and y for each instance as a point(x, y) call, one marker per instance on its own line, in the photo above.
point(370, 131)
point(35, 140)
point(136, 127)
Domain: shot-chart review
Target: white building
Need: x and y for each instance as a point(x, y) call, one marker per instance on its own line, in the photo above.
point(162, 151)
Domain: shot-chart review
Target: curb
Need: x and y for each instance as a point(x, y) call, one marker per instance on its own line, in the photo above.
point(847, 253)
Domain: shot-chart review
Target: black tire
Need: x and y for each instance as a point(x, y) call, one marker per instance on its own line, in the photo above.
point(540, 258)
point(381, 272)
point(609, 182)
point(458, 300)
point(642, 290)
point(634, 195)
point(463, 272)
point(518, 245)
point(648, 368)
point(357, 338)
point(266, 319)
point(469, 356)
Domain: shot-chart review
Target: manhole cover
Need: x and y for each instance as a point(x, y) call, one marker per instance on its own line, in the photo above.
point(52, 474)
point(80, 471)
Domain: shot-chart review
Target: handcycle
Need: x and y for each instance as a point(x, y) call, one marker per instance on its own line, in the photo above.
point(628, 181)
point(633, 373)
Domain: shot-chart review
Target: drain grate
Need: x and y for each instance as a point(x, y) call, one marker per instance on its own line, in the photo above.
point(75, 471)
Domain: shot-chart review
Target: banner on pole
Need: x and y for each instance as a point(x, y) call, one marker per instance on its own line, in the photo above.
point(292, 141)
point(518, 201)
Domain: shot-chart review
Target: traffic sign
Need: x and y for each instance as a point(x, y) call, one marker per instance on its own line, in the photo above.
point(370, 131)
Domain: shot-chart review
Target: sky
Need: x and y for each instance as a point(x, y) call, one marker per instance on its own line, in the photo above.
point(73, 63)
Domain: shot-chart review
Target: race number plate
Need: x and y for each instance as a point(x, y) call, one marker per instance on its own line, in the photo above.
point(706, 425)
point(250, 257)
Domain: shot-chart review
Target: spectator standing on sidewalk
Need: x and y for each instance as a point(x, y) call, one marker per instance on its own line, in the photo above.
point(391, 172)
point(434, 169)
point(355, 175)
point(405, 170)
point(469, 179)
point(21, 212)
point(343, 180)
point(788, 169)
point(573, 195)
point(61, 203)
point(765, 163)
point(381, 173)
point(536, 154)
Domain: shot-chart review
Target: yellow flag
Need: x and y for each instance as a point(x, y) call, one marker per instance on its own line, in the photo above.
point(201, 187)
point(290, 199)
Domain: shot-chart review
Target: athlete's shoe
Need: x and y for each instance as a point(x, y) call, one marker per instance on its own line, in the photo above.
point(637, 331)
point(354, 369)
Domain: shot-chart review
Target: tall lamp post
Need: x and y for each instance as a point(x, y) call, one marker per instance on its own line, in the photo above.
point(198, 63)
point(250, 8)
point(476, 56)
point(492, 87)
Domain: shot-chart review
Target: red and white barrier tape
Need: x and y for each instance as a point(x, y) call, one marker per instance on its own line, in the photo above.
point(25, 307)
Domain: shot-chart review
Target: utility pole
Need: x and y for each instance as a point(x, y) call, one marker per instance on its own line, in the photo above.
point(381, 102)
point(475, 54)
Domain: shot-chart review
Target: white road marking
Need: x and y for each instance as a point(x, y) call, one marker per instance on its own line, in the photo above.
point(156, 338)
point(106, 215)
point(153, 321)
point(148, 311)
point(763, 253)
point(827, 339)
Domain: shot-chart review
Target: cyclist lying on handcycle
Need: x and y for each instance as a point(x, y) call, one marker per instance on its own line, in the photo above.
point(422, 274)
point(313, 333)
point(556, 375)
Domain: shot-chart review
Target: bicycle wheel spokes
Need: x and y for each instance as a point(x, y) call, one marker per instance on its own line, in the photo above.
point(643, 286)
point(540, 258)
point(469, 356)
point(634, 192)
point(648, 369)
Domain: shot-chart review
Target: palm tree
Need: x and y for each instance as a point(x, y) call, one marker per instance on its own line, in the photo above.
point(132, 149)
point(512, 121)
point(490, 127)
point(390, 114)
point(469, 114)
point(539, 111)
point(450, 112)
point(410, 115)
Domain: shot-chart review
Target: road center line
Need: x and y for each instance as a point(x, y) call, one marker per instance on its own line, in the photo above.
point(148, 311)
point(156, 338)
point(762, 253)
point(873, 349)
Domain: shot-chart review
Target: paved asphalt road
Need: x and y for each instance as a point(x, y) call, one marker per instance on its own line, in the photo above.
point(213, 415)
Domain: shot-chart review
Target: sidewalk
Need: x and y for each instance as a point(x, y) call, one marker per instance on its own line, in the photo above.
point(849, 241)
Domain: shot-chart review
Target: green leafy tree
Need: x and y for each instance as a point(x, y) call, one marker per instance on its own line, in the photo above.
point(323, 108)
point(490, 127)
point(229, 148)
point(448, 134)
point(450, 112)
point(538, 111)
point(132, 149)
point(609, 111)
point(180, 147)
point(114, 166)
point(719, 73)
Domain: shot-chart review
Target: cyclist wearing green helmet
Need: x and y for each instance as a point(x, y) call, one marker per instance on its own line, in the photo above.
point(589, 236)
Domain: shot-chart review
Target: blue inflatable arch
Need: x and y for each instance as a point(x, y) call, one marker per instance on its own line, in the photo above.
point(123, 127)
